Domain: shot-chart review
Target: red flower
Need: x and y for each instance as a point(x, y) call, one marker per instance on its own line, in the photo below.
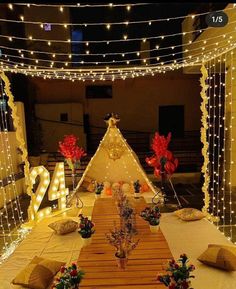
point(176, 266)
point(163, 161)
point(172, 286)
point(73, 273)
point(63, 269)
point(185, 284)
point(70, 149)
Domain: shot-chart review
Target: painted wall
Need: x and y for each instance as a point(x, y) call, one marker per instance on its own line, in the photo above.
point(135, 100)
point(214, 38)
point(53, 130)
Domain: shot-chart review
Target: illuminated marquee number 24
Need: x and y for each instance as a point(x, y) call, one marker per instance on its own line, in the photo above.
point(57, 190)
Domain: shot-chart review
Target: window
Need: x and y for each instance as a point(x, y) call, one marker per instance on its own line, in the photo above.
point(99, 91)
point(76, 48)
point(64, 117)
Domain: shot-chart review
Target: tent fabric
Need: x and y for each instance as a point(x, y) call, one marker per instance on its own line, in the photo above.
point(125, 168)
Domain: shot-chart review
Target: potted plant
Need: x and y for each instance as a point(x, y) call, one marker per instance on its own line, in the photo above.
point(137, 188)
point(180, 274)
point(123, 241)
point(86, 229)
point(98, 189)
point(127, 217)
point(70, 278)
point(152, 215)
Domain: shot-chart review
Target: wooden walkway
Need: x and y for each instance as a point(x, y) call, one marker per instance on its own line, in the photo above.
point(146, 261)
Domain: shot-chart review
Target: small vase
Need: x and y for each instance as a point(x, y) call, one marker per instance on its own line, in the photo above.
point(87, 241)
point(97, 196)
point(136, 195)
point(154, 229)
point(122, 262)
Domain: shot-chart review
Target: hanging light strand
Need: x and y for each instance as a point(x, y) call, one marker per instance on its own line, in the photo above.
point(31, 38)
point(148, 21)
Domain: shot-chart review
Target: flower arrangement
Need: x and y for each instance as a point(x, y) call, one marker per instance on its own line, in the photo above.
point(151, 215)
point(71, 151)
point(70, 277)
point(86, 227)
point(137, 186)
point(98, 188)
point(179, 275)
point(128, 218)
point(122, 241)
point(163, 160)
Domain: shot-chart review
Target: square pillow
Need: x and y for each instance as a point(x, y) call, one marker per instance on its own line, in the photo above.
point(219, 256)
point(38, 274)
point(189, 214)
point(64, 226)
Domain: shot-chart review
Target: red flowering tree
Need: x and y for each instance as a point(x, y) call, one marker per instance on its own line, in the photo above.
point(71, 151)
point(163, 160)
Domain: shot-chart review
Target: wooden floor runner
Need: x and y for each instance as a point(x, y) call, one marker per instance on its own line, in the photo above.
point(145, 262)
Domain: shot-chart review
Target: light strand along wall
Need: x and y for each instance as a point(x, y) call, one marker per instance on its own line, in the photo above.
point(221, 134)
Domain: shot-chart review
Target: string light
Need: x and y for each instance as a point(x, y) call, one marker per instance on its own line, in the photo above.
point(9, 190)
point(123, 55)
point(114, 135)
point(114, 40)
point(114, 23)
point(221, 140)
point(120, 73)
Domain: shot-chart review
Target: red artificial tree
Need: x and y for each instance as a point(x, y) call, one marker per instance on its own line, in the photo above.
point(69, 148)
point(163, 161)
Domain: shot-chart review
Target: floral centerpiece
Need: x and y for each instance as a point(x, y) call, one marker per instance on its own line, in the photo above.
point(70, 278)
point(180, 274)
point(98, 189)
point(72, 153)
point(123, 241)
point(86, 229)
point(137, 188)
point(128, 218)
point(152, 215)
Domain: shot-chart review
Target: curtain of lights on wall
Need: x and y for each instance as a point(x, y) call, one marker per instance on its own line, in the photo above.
point(220, 136)
point(11, 215)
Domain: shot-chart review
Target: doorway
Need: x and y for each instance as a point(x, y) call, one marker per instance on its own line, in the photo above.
point(171, 119)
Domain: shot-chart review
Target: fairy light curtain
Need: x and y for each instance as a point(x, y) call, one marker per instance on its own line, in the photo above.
point(220, 131)
point(11, 214)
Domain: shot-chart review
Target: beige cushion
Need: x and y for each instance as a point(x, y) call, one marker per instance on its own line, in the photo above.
point(64, 226)
point(189, 214)
point(223, 257)
point(38, 274)
point(88, 184)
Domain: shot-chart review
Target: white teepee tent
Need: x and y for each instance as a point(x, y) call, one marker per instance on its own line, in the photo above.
point(115, 161)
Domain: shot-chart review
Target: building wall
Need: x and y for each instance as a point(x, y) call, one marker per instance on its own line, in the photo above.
point(53, 130)
point(135, 100)
point(210, 36)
